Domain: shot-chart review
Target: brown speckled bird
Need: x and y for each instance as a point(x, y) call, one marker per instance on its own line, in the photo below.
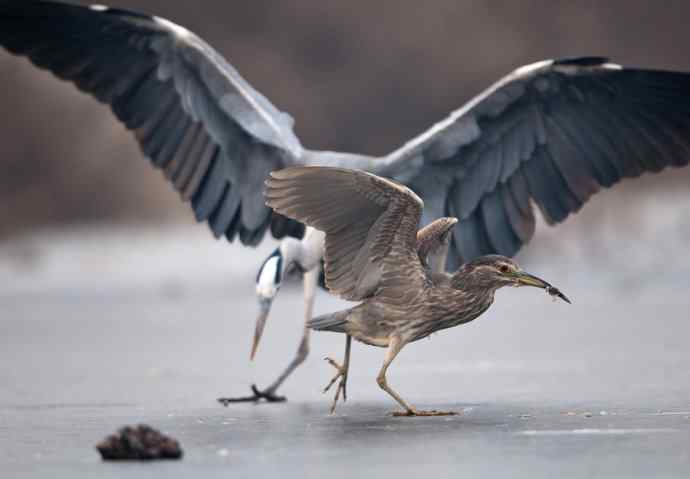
point(374, 254)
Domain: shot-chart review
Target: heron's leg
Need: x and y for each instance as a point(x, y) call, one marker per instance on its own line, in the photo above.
point(310, 281)
point(342, 374)
point(394, 347)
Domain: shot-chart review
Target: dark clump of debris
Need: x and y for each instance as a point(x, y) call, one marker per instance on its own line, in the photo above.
point(138, 443)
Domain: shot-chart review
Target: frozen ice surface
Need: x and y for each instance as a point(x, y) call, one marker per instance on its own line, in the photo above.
point(113, 326)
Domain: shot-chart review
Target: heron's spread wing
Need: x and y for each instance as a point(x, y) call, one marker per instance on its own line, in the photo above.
point(214, 136)
point(552, 133)
point(370, 225)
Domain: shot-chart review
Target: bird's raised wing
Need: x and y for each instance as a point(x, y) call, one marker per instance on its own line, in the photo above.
point(552, 133)
point(214, 136)
point(370, 225)
point(432, 244)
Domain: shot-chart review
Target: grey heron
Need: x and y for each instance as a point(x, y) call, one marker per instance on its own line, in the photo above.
point(549, 134)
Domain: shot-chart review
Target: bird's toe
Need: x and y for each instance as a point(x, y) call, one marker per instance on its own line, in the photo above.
point(415, 412)
point(256, 396)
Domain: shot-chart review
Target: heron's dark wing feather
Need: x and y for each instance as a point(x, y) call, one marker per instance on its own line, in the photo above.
point(195, 117)
point(552, 134)
point(370, 225)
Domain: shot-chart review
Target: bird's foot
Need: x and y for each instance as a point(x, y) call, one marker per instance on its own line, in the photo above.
point(342, 384)
point(415, 412)
point(257, 396)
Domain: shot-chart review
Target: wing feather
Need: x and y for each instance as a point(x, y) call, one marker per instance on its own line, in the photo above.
point(193, 115)
point(370, 225)
point(550, 135)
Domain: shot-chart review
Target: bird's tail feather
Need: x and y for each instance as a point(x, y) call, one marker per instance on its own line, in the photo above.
point(330, 322)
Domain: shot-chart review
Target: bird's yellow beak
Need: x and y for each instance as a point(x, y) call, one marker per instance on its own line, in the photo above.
point(526, 279)
point(264, 308)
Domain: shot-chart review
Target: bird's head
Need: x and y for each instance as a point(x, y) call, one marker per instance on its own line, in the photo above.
point(279, 265)
point(268, 281)
point(494, 271)
point(270, 275)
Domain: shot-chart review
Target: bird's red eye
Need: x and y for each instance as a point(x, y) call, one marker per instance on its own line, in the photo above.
point(504, 268)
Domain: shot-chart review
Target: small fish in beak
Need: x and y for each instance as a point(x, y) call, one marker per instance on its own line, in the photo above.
point(556, 293)
point(526, 279)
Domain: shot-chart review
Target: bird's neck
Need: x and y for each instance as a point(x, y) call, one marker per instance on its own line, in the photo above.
point(474, 285)
point(453, 305)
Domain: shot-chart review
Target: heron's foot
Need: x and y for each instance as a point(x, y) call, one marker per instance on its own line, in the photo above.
point(257, 396)
point(415, 412)
point(342, 384)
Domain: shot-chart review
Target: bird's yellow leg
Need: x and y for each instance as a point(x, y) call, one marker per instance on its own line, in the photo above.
point(394, 347)
point(342, 375)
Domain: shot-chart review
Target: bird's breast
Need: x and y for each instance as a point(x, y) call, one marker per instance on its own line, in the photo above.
point(449, 309)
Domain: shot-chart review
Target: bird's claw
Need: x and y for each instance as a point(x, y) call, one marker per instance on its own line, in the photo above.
point(342, 385)
point(268, 396)
point(415, 412)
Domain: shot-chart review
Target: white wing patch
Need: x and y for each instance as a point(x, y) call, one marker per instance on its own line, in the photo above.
point(532, 67)
point(178, 30)
point(576, 69)
point(612, 66)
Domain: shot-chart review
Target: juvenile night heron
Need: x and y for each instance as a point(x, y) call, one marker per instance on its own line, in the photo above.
point(548, 134)
point(372, 255)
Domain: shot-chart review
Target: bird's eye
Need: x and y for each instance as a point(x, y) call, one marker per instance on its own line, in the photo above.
point(504, 268)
